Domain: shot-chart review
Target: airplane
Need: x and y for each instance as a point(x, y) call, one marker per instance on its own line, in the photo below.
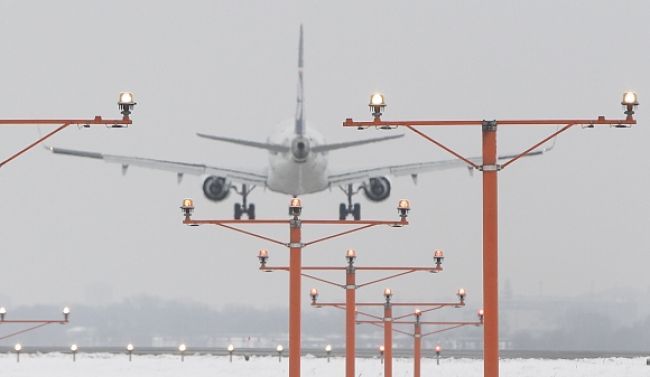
point(297, 165)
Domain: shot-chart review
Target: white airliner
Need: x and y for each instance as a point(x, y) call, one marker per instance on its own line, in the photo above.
point(297, 166)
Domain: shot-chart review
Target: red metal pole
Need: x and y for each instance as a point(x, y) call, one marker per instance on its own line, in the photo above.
point(350, 306)
point(490, 252)
point(388, 340)
point(295, 248)
point(417, 347)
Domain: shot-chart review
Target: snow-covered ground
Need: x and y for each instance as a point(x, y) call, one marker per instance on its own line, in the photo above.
point(98, 365)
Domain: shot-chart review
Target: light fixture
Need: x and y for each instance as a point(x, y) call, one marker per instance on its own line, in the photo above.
point(182, 348)
point(630, 102)
point(263, 256)
point(295, 207)
point(328, 350)
point(279, 350)
point(230, 349)
point(438, 349)
point(187, 207)
point(481, 314)
point(438, 257)
point(74, 349)
point(388, 293)
point(129, 349)
point(461, 295)
point(66, 313)
point(351, 255)
point(418, 314)
point(314, 295)
point(18, 347)
point(3, 312)
point(377, 105)
point(403, 208)
point(126, 102)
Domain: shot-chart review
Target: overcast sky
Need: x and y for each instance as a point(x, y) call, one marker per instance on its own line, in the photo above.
point(73, 230)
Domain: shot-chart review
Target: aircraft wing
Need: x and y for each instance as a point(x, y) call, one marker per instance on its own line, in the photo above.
point(412, 169)
point(180, 168)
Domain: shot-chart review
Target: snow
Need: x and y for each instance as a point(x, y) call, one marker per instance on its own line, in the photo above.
point(104, 364)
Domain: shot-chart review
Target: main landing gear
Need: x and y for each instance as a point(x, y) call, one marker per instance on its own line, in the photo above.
point(350, 209)
point(243, 207)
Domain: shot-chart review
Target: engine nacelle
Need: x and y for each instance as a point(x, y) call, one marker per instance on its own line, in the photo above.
point(216, 188)
point(377, 189)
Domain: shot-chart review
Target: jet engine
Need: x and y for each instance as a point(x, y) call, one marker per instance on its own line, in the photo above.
point(216, 188)
point(377, 189)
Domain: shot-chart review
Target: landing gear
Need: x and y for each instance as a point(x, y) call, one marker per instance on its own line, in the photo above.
point(243, 207)
point(350, 209)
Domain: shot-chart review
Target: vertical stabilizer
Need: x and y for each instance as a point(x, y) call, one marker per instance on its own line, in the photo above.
point(300, 112)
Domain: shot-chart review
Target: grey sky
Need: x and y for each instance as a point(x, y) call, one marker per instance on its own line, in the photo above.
point(74, 230)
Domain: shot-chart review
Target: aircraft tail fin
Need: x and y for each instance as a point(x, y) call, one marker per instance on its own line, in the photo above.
point(300, 111)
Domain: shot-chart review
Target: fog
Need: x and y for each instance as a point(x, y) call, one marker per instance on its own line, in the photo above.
point(74, 231)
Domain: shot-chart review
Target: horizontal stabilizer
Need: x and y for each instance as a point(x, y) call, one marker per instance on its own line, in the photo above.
point(255, 144)
point(348, 144)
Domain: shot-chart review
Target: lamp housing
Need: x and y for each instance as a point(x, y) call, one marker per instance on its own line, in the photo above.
point(351, 255)
point(377, 105)
point(295, 207)
point(126, 101)
point(187, 207)
point(314, 295)
point(263, 256)
point(438, 257)
point(403, 208)
point(461, 295)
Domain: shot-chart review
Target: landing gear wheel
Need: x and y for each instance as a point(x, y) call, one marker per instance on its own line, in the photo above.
point(343, 211)
point(238, 211)
point(251, 211)
point(356, 211)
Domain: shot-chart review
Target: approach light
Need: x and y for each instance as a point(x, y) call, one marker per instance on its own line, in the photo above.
point(182, 347)
point(461, 295)
point(630, 98)
point(351, 255)
point(3, 312)
point(18, 347)
point(66, 313)
point(438, 257)
point(481, 314)
point(279, 350)
point(377, 105)
point(74, 349)
point(314, 295)
point(263, 256)
point(328, 348)
point(230, 349)
point(418, 314)
point(187, 207)
point(295, 207)
point(630, 102)
point(126, 102)
point(438, 349)
point(129, 349)
point(388, 293)
point(403, 208)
